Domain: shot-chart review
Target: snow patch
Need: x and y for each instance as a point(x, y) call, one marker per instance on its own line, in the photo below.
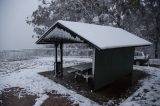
point(132, 103)
point(35, 84)
point(40, 100)
point(148, 93)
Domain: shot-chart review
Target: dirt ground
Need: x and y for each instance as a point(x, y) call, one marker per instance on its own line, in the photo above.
point(17, 97)
point(13, 97)
point(116, 92)
point(57, 100)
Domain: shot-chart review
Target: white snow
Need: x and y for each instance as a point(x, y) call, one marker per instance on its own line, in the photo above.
point(35, 84)
point(149, 93)
point(24, 74)
point(154, 61)
point(96, 19)
point(60, 34)
point(40, 100)
point(104, 37)
point(132, 103)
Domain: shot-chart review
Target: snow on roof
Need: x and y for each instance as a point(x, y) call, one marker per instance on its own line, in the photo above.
point(59, 33)
point(104, 37)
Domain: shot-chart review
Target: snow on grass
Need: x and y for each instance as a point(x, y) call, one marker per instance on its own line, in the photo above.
point(24, 74)
point(27, 77)
point(154, 61)
point(39, 101)
point(149, 93)
point(130, 103)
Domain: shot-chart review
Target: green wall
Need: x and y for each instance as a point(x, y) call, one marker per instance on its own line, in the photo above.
point(111, 65)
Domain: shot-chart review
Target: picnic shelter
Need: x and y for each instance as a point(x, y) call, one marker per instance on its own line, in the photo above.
point(113, 49)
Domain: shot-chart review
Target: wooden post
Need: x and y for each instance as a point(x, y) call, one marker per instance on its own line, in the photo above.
point(61, 51)
point(55, 65)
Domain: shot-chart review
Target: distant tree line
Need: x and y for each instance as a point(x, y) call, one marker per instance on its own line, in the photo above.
point(141, 17)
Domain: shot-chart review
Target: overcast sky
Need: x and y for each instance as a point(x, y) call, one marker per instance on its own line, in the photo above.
point(14, 32)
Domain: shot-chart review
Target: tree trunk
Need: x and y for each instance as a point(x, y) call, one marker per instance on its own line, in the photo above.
point(157, 36)
point(156, 48)
point(157, 42)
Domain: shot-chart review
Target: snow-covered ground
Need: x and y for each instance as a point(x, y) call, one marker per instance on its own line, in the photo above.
point(154, 61)
point(149, 92)
point(24, 74)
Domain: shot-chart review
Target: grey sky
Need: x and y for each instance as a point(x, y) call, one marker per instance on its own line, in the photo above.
point(14, 32)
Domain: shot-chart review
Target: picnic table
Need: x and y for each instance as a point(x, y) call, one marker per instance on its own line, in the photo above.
point(82, 70)
point(82, 67)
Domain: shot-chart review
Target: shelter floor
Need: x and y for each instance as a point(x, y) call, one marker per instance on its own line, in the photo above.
point(116, 92)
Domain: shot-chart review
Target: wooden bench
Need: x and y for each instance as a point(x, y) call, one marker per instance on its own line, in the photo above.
point(82, 70)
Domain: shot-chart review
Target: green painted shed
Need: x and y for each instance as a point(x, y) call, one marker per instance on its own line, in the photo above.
point(113, 48)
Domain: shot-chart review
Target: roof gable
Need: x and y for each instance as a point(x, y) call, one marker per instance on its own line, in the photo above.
point(104, 37)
